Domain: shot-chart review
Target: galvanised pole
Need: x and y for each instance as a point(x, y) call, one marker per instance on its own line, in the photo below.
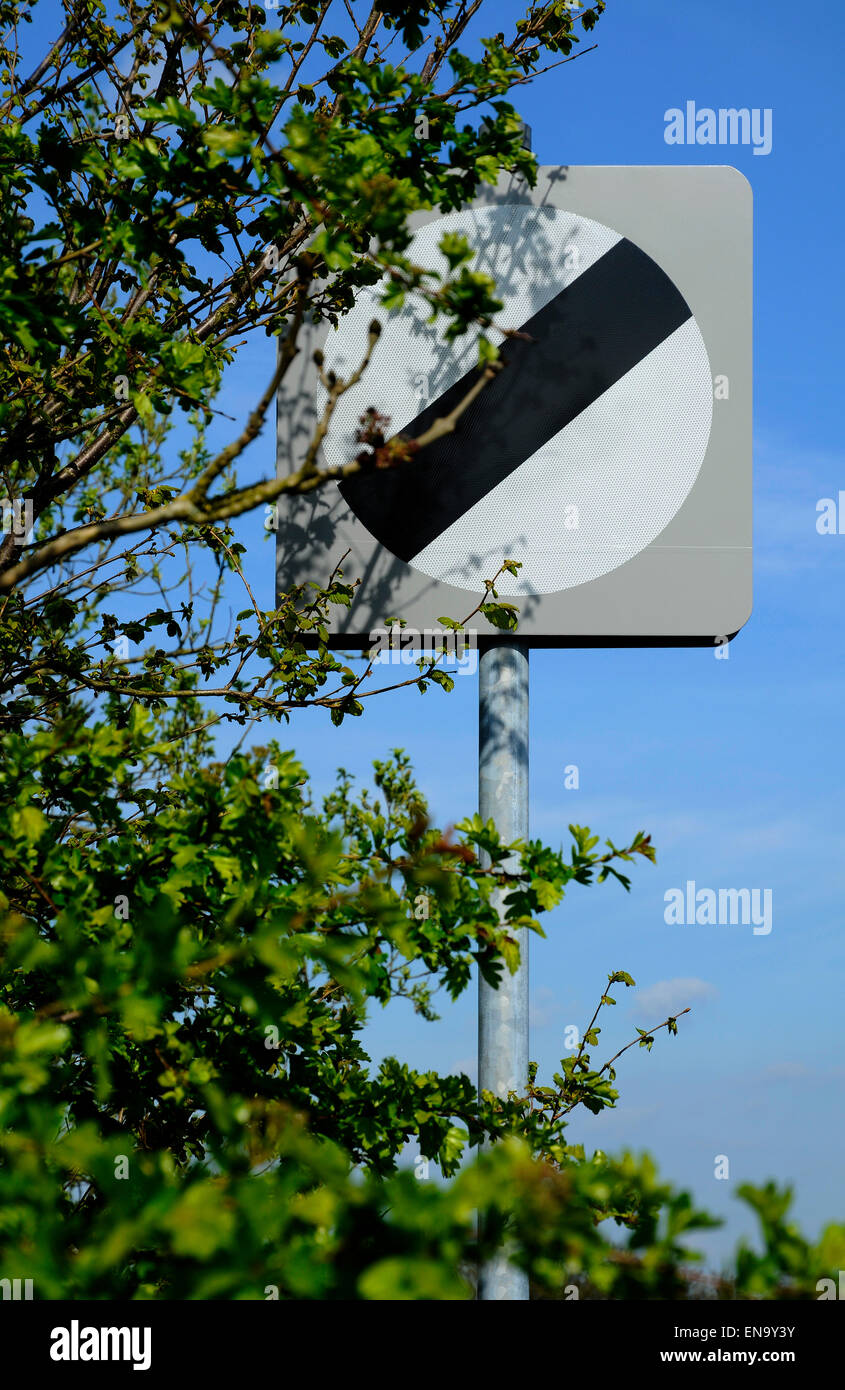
point(503, 798)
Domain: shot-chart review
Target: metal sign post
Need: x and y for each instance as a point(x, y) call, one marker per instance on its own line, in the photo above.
point(503, 798)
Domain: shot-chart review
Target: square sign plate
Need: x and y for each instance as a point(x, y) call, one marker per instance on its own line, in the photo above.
point(612, 453)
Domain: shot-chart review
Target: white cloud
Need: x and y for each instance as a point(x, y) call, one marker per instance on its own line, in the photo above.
point(668, 997)
point(786, 1071)
point(545, 1008)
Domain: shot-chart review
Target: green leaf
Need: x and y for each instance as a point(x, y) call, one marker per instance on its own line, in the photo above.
point(504, 616)
point(405, 1279)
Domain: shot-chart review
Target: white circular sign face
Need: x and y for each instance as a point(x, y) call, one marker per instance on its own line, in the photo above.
point(584, 446)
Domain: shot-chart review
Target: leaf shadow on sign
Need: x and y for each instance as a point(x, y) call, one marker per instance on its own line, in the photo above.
point(383, 577)
point(442, 505)
point(304, 521)
point(522, 255)
point(315, 533)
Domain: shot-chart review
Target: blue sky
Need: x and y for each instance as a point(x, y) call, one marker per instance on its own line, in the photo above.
point(735, 767)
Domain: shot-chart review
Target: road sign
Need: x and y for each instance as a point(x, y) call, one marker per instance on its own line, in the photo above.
point(612, 454)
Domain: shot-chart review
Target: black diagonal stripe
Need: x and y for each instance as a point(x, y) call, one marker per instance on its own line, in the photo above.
point(584, 340)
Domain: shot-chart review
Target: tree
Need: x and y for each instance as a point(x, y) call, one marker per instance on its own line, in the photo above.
point(190, 946)
point(173, 183)
point(185, 1097)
